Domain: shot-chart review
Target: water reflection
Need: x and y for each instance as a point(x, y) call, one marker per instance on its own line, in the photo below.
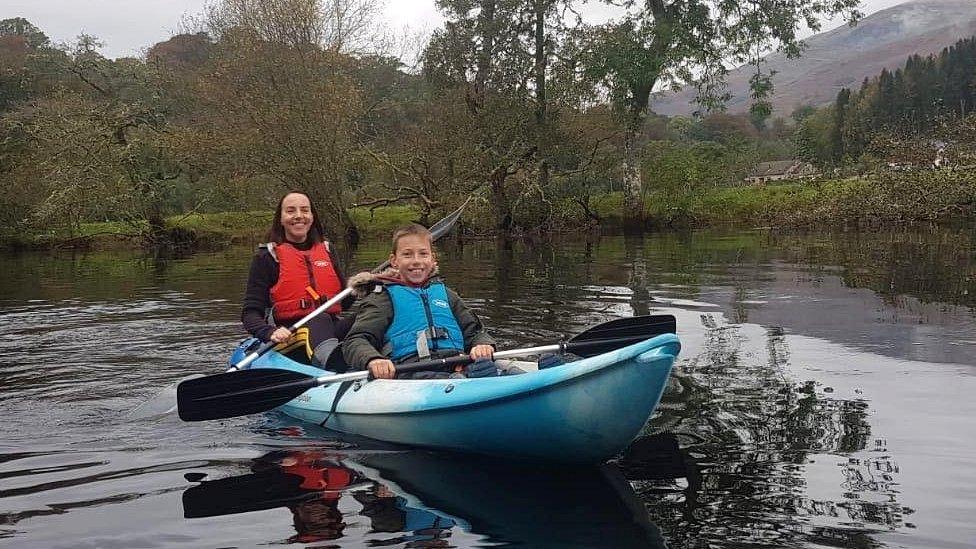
point(424, 499)
point(824, 397)
point(787, 461)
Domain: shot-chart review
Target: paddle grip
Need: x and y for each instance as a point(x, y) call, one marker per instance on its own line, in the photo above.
point(432, 364)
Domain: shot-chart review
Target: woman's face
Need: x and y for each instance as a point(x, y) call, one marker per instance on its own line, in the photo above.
point(296, 217)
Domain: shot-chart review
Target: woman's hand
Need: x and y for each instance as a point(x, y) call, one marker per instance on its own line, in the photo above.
point(381, 368)
point(482, 351)
point(280, 334)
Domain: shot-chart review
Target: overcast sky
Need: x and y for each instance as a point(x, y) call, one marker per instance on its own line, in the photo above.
point(128, 27)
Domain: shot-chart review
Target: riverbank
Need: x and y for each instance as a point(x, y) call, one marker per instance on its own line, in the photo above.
point(199, 231)
point(872, 202)
point(876, 201)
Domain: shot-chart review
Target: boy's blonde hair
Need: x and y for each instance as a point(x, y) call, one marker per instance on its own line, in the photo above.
point(411, 229)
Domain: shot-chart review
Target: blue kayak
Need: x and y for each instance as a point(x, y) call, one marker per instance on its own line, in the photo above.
point(584, 411)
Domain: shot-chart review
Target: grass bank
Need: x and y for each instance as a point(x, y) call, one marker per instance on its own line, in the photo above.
point(890, 199)
point(204, 230)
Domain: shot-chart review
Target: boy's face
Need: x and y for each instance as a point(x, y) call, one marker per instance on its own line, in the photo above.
point(413, 258)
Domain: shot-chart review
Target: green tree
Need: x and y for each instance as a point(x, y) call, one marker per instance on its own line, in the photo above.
point(816, 140)
point(837, 128)
point(499, 58)
point(668, 42)
point(279, 105)
point(23, 51)
point(19, 27)
point(94, 148)
point(802, 112)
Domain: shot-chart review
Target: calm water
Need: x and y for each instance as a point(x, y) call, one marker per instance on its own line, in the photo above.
point(823, 398)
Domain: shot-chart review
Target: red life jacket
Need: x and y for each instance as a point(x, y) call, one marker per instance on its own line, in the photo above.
point(306, 278)
point(328, 480)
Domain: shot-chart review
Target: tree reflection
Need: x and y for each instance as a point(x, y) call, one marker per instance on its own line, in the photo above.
point(759, 433)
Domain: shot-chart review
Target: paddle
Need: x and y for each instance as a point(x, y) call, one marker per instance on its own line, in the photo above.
point(245, 493)
point(437, 230)
point(258, 491)
point(162, 403)
point(232, 394)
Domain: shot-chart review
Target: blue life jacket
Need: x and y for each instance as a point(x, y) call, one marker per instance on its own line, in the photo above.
point(415, 519)
point(416, 309)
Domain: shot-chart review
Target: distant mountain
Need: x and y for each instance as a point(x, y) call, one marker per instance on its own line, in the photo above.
point(843, 57)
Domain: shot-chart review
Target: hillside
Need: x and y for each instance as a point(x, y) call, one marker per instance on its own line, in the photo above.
point(845, 56)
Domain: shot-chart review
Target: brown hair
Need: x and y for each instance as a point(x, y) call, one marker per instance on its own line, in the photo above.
point(411, 229)
point(276, 233)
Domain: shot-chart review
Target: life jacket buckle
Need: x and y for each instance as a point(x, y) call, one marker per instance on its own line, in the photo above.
point(315, 295)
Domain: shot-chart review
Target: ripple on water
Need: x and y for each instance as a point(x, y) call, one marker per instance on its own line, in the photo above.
point(812, 406)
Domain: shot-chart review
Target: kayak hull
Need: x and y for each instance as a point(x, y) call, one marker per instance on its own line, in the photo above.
point(584, 411)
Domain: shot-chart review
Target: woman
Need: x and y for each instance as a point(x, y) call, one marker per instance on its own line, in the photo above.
point(291, 275)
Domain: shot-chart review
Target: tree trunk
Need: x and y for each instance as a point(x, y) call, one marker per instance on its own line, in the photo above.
point(156, 236)
point(349, 233)
point(503, 210)
point(541, 64)
point(634, 218)
point(488, 31)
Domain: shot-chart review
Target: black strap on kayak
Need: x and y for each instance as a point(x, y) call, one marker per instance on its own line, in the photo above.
point(343, 387)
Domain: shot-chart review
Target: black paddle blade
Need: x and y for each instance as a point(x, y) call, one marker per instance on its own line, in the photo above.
point(239, 393)
point(245, 493)
point(619, 333)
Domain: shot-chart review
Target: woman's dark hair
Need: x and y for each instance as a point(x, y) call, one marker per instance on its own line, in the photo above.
point(276, 233)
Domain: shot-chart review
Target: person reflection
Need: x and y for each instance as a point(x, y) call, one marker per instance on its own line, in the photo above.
point(389, 512)
point(316, 518)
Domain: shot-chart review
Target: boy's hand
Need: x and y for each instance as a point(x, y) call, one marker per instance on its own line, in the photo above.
point(381, 368)
point(481, 351)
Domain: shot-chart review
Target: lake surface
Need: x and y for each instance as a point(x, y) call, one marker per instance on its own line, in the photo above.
point(823, 398)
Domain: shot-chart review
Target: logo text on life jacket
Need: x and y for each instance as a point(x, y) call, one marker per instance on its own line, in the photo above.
point(441, 303)
point(321, 263)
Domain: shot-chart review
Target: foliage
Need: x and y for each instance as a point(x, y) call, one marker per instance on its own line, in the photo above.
point(890, 198)
point(669, 43)
point(813, 138)
point(908, 104)
point(540, 118)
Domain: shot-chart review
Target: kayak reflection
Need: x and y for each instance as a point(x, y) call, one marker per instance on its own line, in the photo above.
point(433, 499)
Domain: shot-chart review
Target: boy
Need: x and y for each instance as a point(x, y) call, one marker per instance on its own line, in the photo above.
point(410, 315)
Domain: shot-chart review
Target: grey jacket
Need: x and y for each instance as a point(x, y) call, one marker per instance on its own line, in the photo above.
point(367, 337)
